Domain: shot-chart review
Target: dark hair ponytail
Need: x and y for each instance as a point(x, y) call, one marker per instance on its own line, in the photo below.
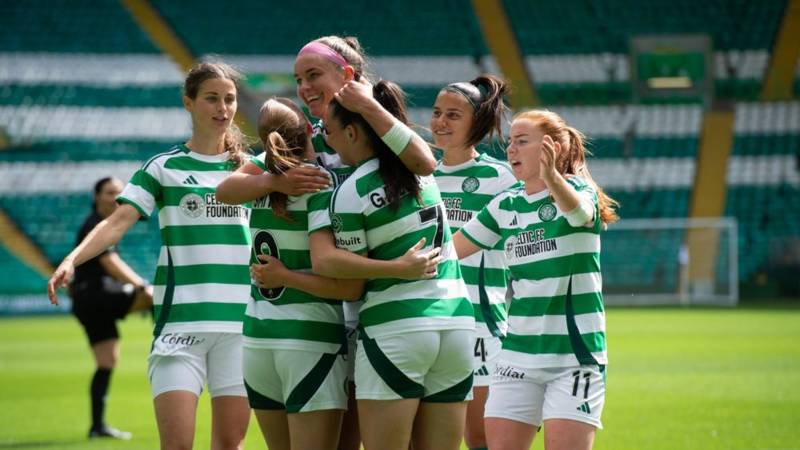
point(282, 130)
point(485, 95)
point(398, 180)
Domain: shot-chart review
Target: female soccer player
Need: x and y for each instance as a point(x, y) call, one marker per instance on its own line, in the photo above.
point(464, 114)
point(335, 67)
point(202, 282)
point(293, 335)
point(413, 364)
point(105, 289)
point(327, 68)
point(551, 369)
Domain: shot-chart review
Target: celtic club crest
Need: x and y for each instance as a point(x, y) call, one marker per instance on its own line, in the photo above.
point(547, 212)
point(336, 223)
point(471, 184)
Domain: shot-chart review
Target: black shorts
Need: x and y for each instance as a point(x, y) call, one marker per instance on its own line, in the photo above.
point(99, 304)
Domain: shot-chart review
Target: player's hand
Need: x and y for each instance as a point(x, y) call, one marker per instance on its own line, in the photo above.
point(61, 278)
point(417, 264)
point(355, 95)
point(146, 294)
point(547, 158)
point(302, 180)
point(143, 300)
point(269, 275)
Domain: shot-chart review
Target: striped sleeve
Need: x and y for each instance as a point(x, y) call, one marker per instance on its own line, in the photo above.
point(353, 236)
point(348, 223)
point(260, 160)
point(588, 200)
point(143, 191)
point(318, 216)
point(319, 205)
point(483, 230)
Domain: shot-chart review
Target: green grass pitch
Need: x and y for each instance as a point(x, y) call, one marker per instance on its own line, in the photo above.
point(678, 379)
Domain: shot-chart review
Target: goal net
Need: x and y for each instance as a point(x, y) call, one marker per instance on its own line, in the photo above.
point(671, 261)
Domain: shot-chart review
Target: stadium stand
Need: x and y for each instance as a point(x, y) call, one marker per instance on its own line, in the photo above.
point(644, 156)
point(64, 26)
point(577, 51)
point(764, 183)
point(577, 54)
point(18, 277)
point(85, 93)
point(427, 57)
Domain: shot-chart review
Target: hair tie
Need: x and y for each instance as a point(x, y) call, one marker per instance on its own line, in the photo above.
point(475, 95)
point(318, 48)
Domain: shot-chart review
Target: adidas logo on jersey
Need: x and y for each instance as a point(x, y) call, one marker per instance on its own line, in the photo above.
point(190, 180)
point(482, 372)
point(513, 222)
point(584, 408)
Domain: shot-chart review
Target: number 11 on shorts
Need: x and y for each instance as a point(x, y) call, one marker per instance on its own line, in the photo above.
point(577, 376)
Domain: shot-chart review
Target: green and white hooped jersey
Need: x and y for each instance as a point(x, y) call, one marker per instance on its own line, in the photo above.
point(286, 318)
point(326, 156)
point(363, 222)
point(466, 188)
point(556, 317)
point(329, 159)
point(202, 281)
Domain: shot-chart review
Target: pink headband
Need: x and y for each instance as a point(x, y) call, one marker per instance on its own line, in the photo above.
point(318, 48)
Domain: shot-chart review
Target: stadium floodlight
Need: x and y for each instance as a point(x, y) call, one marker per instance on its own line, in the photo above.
point(671, 261)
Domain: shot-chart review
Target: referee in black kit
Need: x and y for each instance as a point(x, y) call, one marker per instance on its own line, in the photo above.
point(104, 290)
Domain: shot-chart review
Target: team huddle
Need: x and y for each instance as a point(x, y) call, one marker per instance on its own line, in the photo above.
point(350, 289)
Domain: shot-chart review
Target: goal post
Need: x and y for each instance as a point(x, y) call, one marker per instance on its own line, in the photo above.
point(671, 262)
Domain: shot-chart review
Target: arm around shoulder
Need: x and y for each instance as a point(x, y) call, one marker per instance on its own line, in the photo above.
point(330, 261)
point(416, 155)
point(272, 273)
point(247, 183)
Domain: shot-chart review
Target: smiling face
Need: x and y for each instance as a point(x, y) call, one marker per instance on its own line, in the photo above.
point(524, 149)
point(214, 106)
point(317, 80)
point(451, 121)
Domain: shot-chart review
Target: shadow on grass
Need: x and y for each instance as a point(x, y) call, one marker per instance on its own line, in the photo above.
point(765, 304)
point(41, 444)
point(770, 303)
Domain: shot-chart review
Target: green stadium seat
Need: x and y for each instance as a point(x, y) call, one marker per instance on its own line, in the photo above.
point(85, 150)
point(68, 26)
point(765, 214)
point(428, 28)
point(76, 95)
point(52, 221)
point(18, 278)
point(605, 27)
